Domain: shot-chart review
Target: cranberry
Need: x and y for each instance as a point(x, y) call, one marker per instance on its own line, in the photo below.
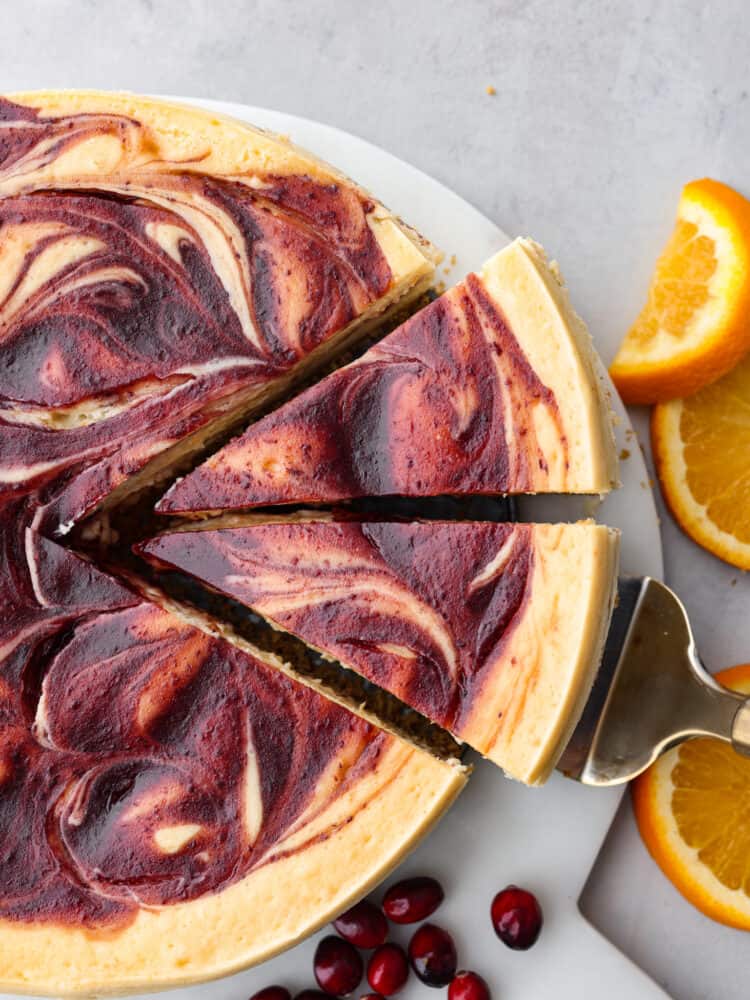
point(413, 899)
point(371, 996)
point(272, 993)
point(337, 966)
point(364, 925)
point(468, 986)
point(388, 969)
point(432, 954)
point(312, 995)
point(516, 917)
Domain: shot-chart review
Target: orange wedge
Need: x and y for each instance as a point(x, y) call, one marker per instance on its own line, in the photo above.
point(695, 325)
point(701, 448)
point(693, 811)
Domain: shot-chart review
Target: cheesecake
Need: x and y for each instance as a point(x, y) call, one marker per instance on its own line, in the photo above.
point(165, 270)
point(494, 388)
point(176, 802)
point(492, 631)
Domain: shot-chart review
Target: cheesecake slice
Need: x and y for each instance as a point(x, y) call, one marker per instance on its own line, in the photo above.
point(493, 631)
point(494, 388)
point(163, 271)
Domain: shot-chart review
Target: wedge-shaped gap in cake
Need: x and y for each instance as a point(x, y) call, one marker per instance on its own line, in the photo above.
point(216, 613)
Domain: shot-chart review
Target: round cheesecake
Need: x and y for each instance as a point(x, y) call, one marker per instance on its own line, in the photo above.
point(174, 806)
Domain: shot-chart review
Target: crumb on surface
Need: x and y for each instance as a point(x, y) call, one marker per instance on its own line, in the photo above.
point(491, 90)
point(451, 263)
point(624, 454)
point(591, 505)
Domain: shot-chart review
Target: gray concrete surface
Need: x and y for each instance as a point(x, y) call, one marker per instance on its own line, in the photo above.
point(602, 110)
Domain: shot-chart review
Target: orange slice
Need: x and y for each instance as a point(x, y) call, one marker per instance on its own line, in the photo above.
point(695, 325)
point(701, 447)
point(693, 811)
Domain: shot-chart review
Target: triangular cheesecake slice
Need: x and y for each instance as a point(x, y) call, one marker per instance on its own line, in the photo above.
point(493, 631)
point(493, 388)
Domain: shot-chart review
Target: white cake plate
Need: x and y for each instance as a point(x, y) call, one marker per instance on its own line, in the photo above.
point(498, 831)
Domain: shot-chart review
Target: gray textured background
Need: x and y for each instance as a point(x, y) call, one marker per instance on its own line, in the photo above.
point(602, 111)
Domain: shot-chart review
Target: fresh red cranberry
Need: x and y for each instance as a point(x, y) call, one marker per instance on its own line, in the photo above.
point(413, 899)
point(516, 917)
point(432, 954)
point(312, 995)
point(468, 986)
point(272, 993)
point(388, 969)
point(364, 925)
point(337, 966)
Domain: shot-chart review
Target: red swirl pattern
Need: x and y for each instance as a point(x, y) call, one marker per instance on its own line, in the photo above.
point(143, 763)
point(123, 725)
point(444, 405)
point(134, 303)
point(420, 609)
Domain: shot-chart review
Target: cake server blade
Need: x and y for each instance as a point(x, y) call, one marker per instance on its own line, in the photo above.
point(651, 692)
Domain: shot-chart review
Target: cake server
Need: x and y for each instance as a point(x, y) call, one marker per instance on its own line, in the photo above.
point(651, 692)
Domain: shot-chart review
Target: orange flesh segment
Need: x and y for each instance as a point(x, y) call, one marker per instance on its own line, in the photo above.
point(680, 285)
point(711, 806)
point(702, 452)
point(715, 429)
point(695, 324)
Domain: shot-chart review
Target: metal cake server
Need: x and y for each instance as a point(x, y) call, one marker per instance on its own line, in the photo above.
point(651, 692)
